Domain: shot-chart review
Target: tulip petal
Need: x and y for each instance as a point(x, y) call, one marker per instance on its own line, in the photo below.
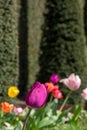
point(84, 93)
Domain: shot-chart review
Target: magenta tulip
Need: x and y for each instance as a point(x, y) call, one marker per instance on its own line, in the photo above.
point(54, 78)
point(73, 82)
point(84, 93)
point(37, 95)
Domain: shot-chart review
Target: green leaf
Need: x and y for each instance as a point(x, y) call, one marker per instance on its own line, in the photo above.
point(7, 128)
point(19, 126)
point(77, 112)
point(47, 121)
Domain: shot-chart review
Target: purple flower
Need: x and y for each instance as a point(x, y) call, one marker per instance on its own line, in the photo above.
point(37, 95)
point(54, 78)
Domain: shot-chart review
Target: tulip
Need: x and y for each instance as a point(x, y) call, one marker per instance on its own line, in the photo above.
point(56, 87)
point(18, 110)
point(50, 86)
point(6, 107)
point(37, 95)
point(13, 91)
point(54, 78)
point(57, 94)
point(84, 93)
point(73, 82)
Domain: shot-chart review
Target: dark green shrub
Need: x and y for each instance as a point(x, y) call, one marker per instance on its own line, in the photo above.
point(63, 42)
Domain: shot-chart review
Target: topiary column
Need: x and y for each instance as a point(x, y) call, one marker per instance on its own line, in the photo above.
point(85, 18)
point(63, 41)
point(8, 43)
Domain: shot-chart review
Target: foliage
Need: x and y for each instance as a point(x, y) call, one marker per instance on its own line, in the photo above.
point(8, 44)
point(10, 121)
point(35, 18)
point(63, 40)
point(49, 118)
point(85, 19)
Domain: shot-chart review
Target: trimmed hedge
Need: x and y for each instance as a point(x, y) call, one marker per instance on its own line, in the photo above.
point(85, 18)
point(35, 18)
point(8, 44)
point(63, 41)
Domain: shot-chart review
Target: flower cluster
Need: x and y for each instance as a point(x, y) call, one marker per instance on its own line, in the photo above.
point(7, 108)
point(9, 113)
point(13, 91)
point(52, 86)
point(40, 111)
point(37, 96)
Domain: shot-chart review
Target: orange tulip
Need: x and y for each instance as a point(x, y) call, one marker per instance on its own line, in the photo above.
point(6, 107)
point(50, 86)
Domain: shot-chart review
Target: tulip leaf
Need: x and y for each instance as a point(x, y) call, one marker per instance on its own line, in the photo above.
point(47, 121)
point(77, 112)
point(19, 126)
point(7, 128)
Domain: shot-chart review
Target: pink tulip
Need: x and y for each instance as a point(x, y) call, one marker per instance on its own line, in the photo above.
point(37, 95)
point(73, 82)
point(18, 110)
point(84, 93)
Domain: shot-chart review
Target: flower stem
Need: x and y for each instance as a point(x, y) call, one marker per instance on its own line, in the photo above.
point(67, 97)
point(26, 120)
point(51, 98)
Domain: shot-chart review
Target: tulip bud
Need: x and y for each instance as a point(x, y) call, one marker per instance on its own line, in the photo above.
point(37, 95)
point(54, 78)
point(13, 91)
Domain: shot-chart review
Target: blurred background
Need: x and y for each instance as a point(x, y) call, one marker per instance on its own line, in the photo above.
point(39, 38)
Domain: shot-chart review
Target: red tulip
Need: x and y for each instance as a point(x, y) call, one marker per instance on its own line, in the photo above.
point(57, 94)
